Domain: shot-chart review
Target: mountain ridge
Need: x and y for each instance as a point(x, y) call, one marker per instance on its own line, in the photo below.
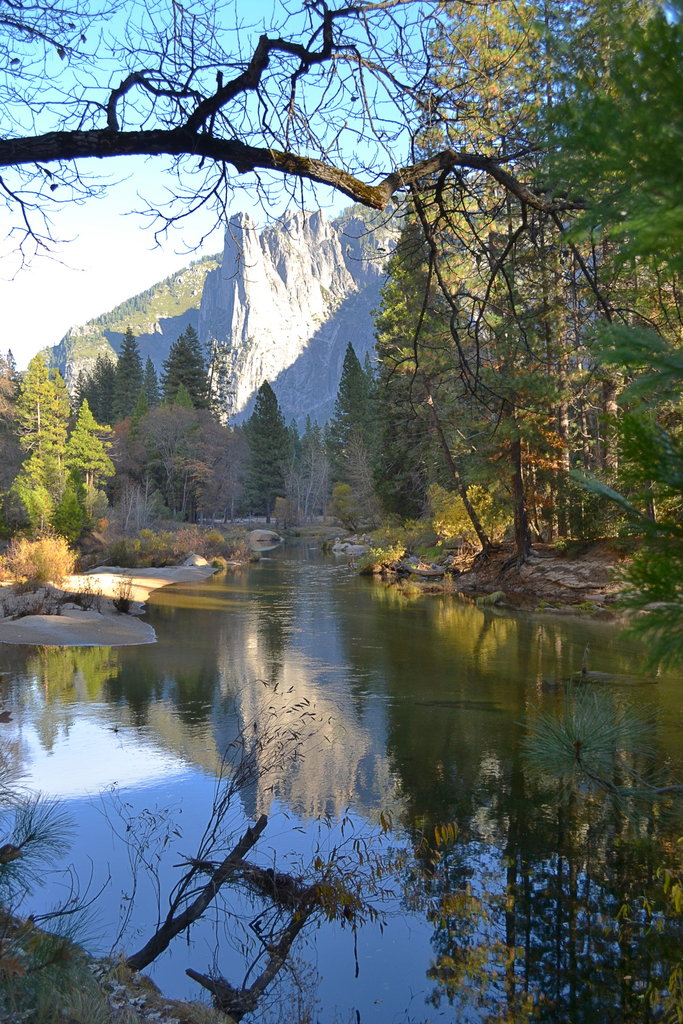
point(281, 304)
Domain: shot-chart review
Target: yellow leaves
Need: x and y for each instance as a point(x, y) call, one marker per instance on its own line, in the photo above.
point(445, 834)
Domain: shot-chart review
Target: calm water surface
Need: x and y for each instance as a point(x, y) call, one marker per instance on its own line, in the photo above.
point(417, 705)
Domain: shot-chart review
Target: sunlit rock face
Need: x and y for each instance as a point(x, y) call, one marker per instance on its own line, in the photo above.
point(286, 302)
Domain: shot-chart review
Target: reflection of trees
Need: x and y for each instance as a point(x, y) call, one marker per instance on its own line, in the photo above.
point(72, 673)
point(524, 905)
point(540, 922)
point(62, 678)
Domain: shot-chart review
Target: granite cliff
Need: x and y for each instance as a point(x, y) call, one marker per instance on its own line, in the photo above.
point(285, 303)
point(281, 304)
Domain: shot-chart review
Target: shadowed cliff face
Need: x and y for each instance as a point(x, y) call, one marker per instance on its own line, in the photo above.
point(285, 304)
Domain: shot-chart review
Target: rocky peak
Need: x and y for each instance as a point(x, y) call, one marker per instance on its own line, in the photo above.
point(285, 303)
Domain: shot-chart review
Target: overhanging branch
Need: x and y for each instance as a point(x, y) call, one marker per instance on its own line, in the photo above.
point(105, 143)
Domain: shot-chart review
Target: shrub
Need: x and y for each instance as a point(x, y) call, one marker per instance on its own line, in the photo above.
point(344, 507)
point(47, 559)
point(450, 518)
point(377, 557)
point(169, 547)
point(123, 595)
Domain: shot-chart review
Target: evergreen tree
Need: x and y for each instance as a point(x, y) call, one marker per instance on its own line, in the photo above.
point(86, 450)
point(269, 449)
point(43, 416)
point(150, 384)
point(69, 516)
point(185, 365)
point(623, 134)
point(221, 391)
point(351, 436)
point(352, 423)
point(42, 410)
point(98, 389)
point(128, 381)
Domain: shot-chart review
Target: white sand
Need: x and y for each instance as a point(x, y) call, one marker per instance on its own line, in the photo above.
point(108, 628)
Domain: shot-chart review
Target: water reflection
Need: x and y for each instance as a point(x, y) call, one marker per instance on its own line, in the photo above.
point(415, 708)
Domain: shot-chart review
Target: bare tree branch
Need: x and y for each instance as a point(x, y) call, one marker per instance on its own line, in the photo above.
point(173, 925)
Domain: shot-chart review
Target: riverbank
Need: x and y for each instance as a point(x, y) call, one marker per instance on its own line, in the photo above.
point(550, 577)
point(579, 578)
point(95, 609)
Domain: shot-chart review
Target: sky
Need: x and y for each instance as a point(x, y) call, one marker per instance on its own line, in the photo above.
point(108, 254)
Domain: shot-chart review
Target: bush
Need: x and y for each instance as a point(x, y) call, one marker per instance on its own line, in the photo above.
point(344, 507)
point(450, 518)
point(123, 596)
point(373, 561)
point(39, 561)
point(169, 547)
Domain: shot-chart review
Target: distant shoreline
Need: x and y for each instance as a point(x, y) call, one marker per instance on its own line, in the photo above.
point(103, 626)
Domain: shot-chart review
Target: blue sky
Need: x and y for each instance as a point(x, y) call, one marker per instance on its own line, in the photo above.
point(109, 254)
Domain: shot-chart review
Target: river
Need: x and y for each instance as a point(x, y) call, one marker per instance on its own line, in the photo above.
point(412, 708)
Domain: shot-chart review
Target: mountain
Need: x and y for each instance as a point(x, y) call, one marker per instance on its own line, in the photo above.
point(281, 305)
point(156, 317)
point(285, 303)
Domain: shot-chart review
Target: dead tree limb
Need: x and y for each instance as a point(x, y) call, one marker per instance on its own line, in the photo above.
point(174, 924)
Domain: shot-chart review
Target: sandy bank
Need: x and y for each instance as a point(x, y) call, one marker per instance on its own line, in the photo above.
point(76, 627)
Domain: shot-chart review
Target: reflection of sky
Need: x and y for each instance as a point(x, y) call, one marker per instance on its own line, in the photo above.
point(89, 757)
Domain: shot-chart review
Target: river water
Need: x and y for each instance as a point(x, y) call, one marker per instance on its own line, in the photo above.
point(409, 708)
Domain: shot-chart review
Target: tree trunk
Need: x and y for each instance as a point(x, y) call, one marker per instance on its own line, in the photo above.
point(610, 409)
point(522, 531)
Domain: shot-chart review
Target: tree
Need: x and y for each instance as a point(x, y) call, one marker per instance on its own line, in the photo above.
point(42, 411)
point(367, 65)
point(634, 176)
point(150, 384)
point(269, 444)
point(185, 367)
point(86, 450)
point(128, 381)
point(351, 434)
point(169, 434)
point(353, 413)
point(42, 418)
point(98, 389)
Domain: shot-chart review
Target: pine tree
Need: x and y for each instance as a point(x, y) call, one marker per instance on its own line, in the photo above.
point(86, 449)
point(623, 135)
point(150, 384)
point(269, 448)
point(185, 364)
point(128, 381)
point(42, 410)
point(98, 389)
point(352, 423)
point(69, 516)
point(42, 416)
point(351, 436)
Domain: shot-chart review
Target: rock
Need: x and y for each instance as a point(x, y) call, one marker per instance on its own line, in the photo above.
point(285, 303)
point(488, 600)
point(193, 559)
point(263, 540)
point(349, 549)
